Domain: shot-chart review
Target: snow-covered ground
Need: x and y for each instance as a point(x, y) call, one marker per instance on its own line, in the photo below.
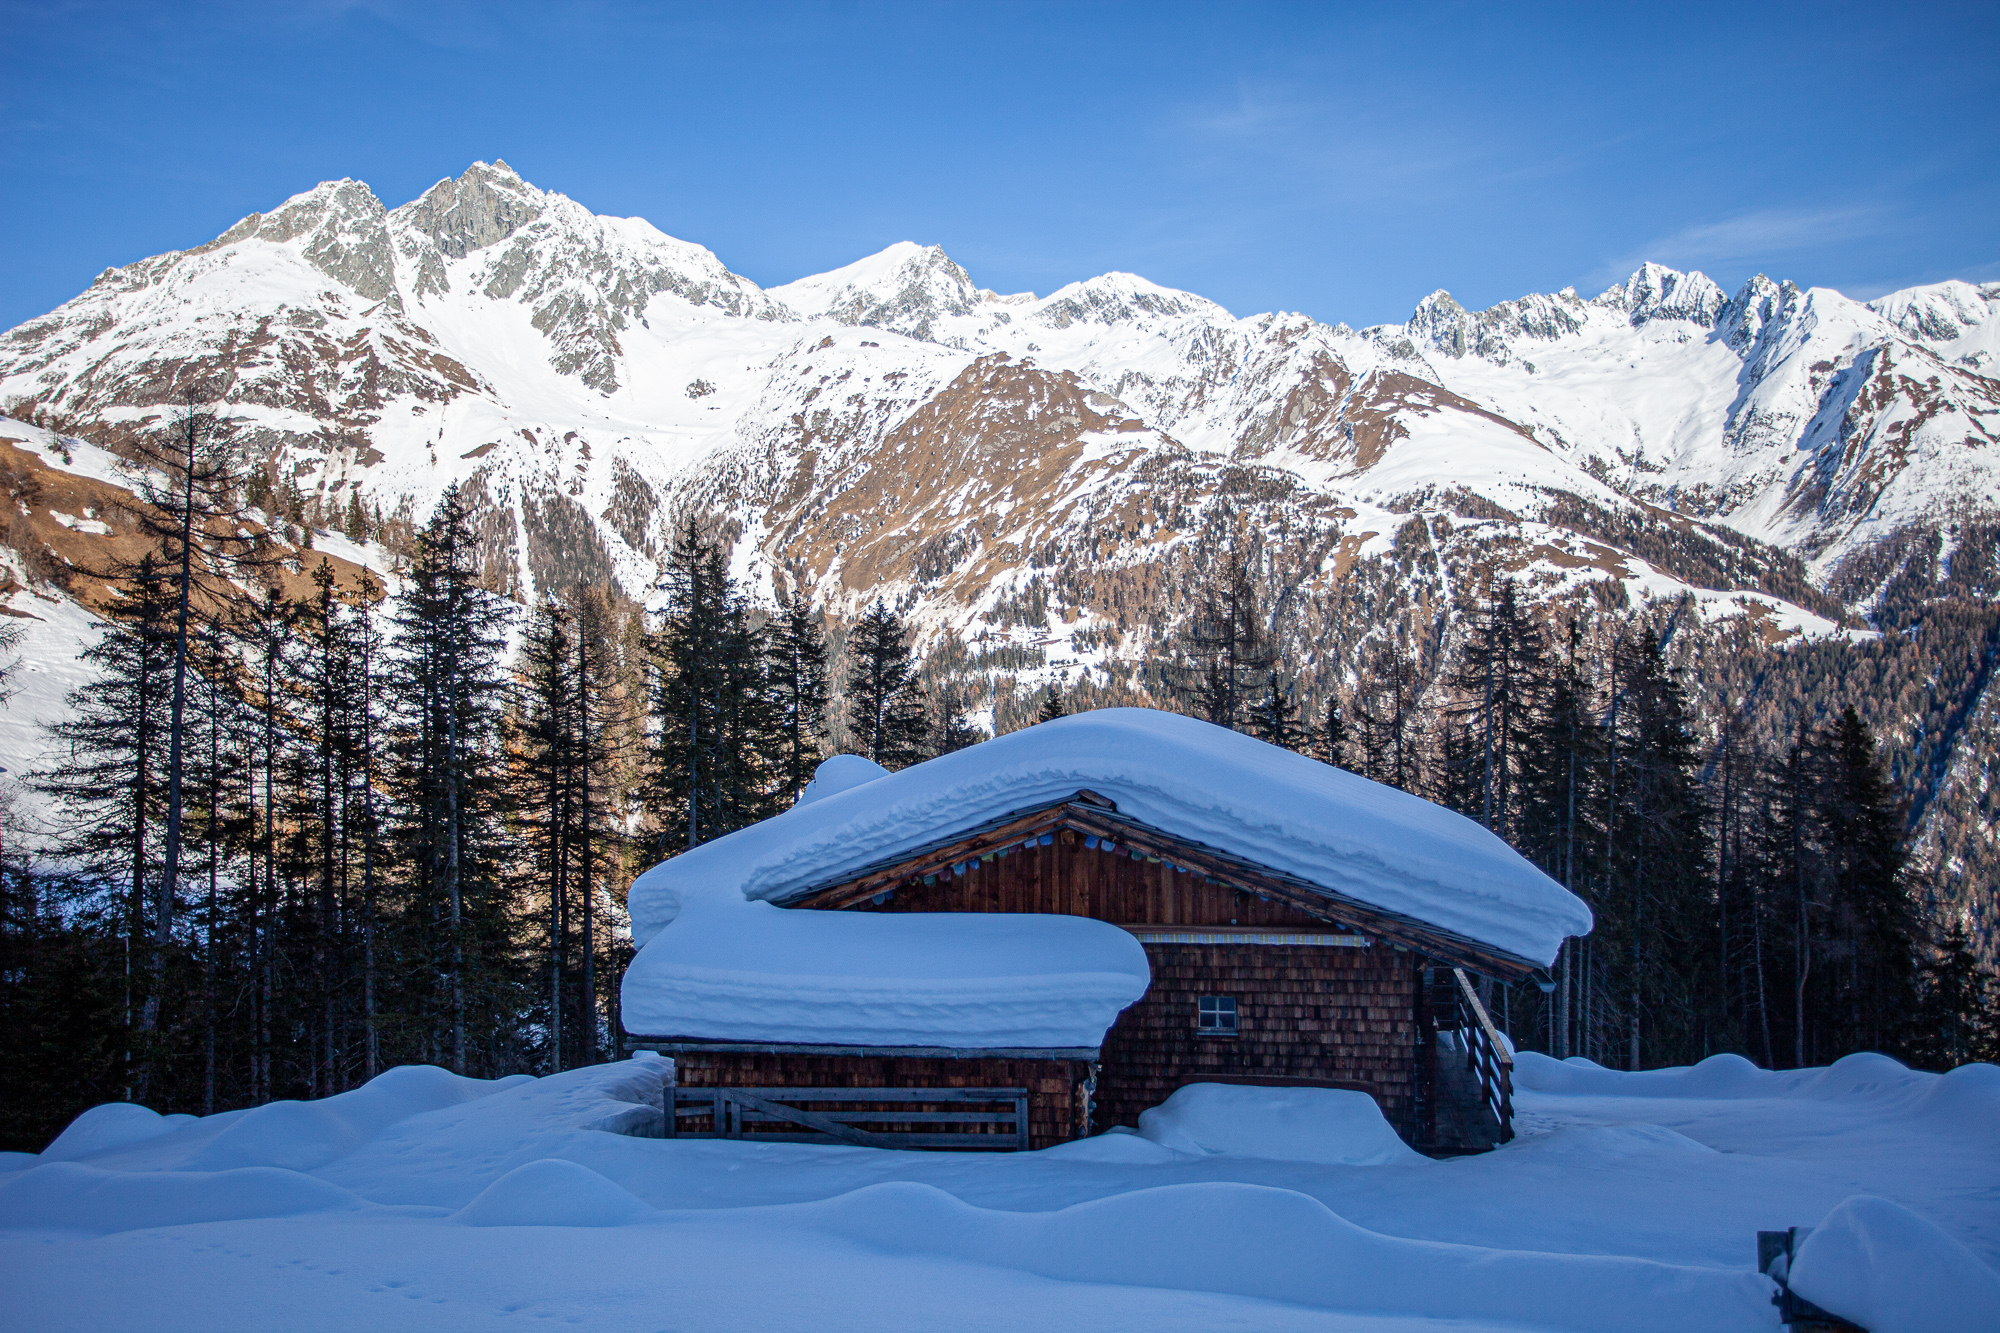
point(426, 1201)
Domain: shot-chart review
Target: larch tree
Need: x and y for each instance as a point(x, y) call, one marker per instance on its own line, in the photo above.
point(187, 482)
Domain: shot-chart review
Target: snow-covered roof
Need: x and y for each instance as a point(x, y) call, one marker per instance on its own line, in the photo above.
point(1186, 778)
point(752, 972)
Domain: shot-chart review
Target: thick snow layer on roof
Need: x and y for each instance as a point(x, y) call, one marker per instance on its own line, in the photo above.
point(1184, 777)
point(749, 971)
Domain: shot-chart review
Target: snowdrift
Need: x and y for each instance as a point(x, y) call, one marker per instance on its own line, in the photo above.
point(1288, 1124)
point(1280, 1245)
point(441, 1199)
point(1881, 1266)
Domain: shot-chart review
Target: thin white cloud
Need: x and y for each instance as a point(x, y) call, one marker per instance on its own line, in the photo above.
point(1755, 238)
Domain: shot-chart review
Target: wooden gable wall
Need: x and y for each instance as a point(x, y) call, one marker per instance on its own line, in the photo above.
point(1070, 879)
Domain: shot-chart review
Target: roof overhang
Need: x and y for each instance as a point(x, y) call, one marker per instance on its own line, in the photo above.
point(1094, 816)
point(697, 1045)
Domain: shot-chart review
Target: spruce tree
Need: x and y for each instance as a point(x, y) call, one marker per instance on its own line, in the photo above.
point(1958, 1006)
point(1500, 686)
point(1052, 706)
point(1274, 717)
point(110, 788)
point(544, 799)
point(1874, 916)
point(885, 704)
point(1652, 916)
point(449, 834)
point(952, 727)
point(1386, 710)
point(717, 752)
point(1223, 650)
point(1556, 825)
point(799, 687)
point(1329, 740)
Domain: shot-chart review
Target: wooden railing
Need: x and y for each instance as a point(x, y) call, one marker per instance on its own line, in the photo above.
point(1486, 1054)
point(995, 1119)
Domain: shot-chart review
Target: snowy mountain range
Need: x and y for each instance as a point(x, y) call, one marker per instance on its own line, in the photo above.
point(1032, 473)
point(593, 377)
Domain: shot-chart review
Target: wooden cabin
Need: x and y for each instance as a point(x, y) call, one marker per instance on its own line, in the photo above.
point(1258, 973)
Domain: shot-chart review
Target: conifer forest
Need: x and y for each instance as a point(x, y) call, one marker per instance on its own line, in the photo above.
point(312, 821)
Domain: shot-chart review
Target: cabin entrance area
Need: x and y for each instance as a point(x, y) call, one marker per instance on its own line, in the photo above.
point(915, 1098)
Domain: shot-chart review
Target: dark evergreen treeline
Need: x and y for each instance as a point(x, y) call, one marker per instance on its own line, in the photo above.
point(1749, 900)
point(321, 829)
point(395, 841)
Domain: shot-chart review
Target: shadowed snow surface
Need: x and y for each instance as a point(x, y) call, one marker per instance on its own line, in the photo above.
point(424, 1200)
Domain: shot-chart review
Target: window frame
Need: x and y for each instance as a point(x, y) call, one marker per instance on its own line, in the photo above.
point(1218, 1008)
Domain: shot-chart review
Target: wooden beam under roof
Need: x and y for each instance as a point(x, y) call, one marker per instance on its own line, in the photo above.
point(1094, 816)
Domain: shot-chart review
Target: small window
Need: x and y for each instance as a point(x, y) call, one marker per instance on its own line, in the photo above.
point(1216, 1016)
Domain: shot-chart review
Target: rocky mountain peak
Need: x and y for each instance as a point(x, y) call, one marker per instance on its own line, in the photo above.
point(1441, 323)
point(1655, 291)
point(1940, 312)
point(1123, 298)
point(906, 288)
point(339, 227)
point(483, 207)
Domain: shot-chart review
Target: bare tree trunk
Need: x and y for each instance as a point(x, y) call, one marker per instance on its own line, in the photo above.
point(589, 903)
point(451, 882)
point(163, 915)
point(372, 1037)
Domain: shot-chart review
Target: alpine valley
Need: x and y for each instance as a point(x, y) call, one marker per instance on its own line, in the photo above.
point(1799, 491)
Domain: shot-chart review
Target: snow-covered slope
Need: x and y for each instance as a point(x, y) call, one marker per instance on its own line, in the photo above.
point(587, 375)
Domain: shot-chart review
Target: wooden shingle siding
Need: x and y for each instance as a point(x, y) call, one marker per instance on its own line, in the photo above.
point(1339, 1009)
point(1055, 1109)
point(1305, 1015)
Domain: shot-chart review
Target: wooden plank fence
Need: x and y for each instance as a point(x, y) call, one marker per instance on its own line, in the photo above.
point(993, 1119)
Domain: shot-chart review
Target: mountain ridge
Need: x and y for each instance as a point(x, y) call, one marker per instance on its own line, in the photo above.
point(1778, 465)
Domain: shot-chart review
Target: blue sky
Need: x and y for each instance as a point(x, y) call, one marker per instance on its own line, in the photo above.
point(1339, 160)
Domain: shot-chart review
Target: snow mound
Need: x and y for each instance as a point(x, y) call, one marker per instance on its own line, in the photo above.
point(1967, 1099)
point(304, 1135)
point(75, 1197)
point(1969, 1096)
point(552, 1193)
point(1275, 1244)
point(1717, 1076)
point(1180, 775)
point(444, 1158)
point(1891, 1271)
point(753, 972)
point(1327, 1125)
point(112, 1125)
point(838, 774)
point(1117, 1144)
